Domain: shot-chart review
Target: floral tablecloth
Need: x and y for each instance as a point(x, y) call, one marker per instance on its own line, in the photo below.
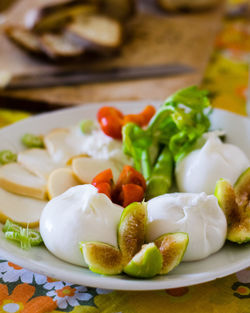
point(27, 292)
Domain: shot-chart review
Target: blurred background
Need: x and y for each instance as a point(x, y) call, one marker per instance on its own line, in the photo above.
point(69, 52)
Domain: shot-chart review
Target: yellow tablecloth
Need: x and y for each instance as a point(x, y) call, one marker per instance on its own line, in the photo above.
point(23, 291)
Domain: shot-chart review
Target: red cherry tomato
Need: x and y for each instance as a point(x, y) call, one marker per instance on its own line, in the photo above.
point(104, 188)
point(111, 121)
point(131, 193)
point(130, 176)
point(103, 177)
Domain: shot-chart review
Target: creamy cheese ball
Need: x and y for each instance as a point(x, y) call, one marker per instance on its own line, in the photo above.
point(202, 168)
point(199, 215)
point(79, 214)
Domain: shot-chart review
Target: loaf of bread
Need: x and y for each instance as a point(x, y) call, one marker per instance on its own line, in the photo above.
point(175, 5)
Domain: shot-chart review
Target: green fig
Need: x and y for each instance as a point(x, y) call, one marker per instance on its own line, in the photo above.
point(172, 247)
point(235, 202)
point(146, 263)
point(131, 230)
point(102, 258)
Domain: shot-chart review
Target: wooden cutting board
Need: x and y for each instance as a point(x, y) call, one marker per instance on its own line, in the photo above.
point(154, 38)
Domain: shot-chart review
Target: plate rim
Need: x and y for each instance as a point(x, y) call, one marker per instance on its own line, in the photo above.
point(91, 279)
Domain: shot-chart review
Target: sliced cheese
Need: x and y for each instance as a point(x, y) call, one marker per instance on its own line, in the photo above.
point(62, 144)
point(38, 161)
point(86, 168)
point(22, 210)
point(61, 180)
point(17, 179)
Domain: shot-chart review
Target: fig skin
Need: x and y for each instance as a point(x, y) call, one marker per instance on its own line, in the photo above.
point(172, 247)
point(102, 258)
point(235, 202)
point(147, 263)
point(131, 230)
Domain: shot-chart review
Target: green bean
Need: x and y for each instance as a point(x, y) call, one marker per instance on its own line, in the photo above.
point(161, 178)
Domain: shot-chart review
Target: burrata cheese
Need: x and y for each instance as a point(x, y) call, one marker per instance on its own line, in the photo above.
point(198, 215)
point(79, 214)
point(202, 168)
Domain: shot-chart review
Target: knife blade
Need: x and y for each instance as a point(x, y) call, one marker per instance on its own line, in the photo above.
point(6, 4)
point(74, 77)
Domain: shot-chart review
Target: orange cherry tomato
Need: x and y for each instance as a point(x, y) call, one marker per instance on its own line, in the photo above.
point(104, 188)
point(131, 193)
point(141, 119)
point(104, 182)
point(130, 176)
point(103, 177)
point(130, 186)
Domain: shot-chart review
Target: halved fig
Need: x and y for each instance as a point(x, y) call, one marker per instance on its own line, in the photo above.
point(146, 263)
point(102, 258)
point(131, 230)
point(54, 16)
point(96, 32)
point(242, 188)
point(235, 202)
point(25, 39)
point(172, 248)
point(59, 46)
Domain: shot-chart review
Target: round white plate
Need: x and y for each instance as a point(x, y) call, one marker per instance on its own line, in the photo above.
point(230, 259)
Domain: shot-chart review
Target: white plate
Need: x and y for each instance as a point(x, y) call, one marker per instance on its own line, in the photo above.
point(230, 259)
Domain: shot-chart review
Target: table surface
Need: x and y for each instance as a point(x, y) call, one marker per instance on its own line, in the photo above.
point(23, 291)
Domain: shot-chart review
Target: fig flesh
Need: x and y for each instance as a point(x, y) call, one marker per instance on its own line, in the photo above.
point(146, 263)
point(172, 248)
point(102, 258)
point(235, 202)
point(131, 230)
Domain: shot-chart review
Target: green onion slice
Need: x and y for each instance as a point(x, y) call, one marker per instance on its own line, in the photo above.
point(32, 141)
point(7, 156)
point(25, 236)
point(87, 126)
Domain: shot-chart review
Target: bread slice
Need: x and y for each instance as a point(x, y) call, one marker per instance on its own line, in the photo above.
point(54, 16)
point(24, 38)
point(175, 5)
point(58, 46)
point(22, 210)
point(121, 10)
point(16, 179)
point(96, 32)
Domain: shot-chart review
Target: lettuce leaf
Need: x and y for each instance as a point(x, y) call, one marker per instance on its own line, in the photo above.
point(177, 125)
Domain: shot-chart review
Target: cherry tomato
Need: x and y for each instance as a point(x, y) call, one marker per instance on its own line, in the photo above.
point(130, 176)
point(141, 119)
point(103, 177)
point(104, 188)
point(111, 121)
point(131, 193)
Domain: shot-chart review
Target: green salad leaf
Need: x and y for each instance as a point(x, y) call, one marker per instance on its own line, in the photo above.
point(177, 125)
